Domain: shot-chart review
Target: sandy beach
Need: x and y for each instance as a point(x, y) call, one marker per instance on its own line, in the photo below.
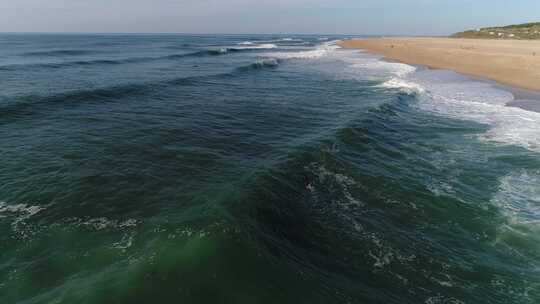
point(510, 62)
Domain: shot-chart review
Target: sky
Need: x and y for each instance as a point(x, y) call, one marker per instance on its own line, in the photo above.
point(371, 17)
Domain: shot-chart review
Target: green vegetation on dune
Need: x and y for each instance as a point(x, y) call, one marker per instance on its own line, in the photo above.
point(525, 31)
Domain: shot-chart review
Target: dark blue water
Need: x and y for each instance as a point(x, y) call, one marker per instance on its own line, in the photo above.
point(258, 169)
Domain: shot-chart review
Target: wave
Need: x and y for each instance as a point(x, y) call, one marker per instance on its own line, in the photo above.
point(449, 94)
point(294, 40)
point(378, 67)
point(19, 213)
point(102, 62)
point(519, 197)
point(59, 53)
point(59, 65)
point(28, 210)
point(178, 47)
point(408, 87)
point(477, 102)
point(321, 51)
point(315, 54)
point(453, 95)
point(285, 40)
point(254, 47)
point(66, 64)
point(26, 105)
point(105, 223)
point(217, 52)
point(261, 64)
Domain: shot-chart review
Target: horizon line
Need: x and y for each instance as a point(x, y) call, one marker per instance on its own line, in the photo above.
point(229, 34)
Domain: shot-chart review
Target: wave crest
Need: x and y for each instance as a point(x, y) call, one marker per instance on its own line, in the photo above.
point(252, 46)
point(322, 51)
point(25, 209)
point(261, 64)
point(408, 87)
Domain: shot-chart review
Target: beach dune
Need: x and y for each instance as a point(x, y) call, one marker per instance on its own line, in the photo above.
point(511, 62)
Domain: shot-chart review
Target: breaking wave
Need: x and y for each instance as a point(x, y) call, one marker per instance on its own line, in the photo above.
point(449, 94)
point(134, 60)
point(252, 46)
point(321, 51)
point(25, 210)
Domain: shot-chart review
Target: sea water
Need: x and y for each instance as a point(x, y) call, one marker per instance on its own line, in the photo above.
point(258, 169)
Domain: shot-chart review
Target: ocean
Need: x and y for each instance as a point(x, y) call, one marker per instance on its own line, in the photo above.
point(258, 169)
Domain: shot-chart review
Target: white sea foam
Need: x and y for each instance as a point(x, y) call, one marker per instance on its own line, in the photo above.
point(459, 97)
point(18, 214)
point(440, 92)
point(341, 181)
point(442, 300)
point(105, 223)
point(287, 39)
point(314, 54)
point(519, 197)
point(23, 210)
point(246, 43)
point(256, 46)
point(406, 86)
point(124, 243)
point(379, 67)
point(266, 62)
point(321, 51)
point(450, 94)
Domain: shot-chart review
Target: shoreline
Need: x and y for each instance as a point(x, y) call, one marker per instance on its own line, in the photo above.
point(511, 65)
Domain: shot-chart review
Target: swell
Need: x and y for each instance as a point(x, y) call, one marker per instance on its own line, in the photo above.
point(106, 62)
point(307, 211)
point(260, 64)
point(57, 53)
point(28, 105)
point(323, 205)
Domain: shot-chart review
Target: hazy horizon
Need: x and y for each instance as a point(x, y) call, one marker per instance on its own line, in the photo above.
point(392, 17)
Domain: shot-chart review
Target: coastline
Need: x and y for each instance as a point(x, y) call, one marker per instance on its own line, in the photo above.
point(512, 65)
point(509, 62)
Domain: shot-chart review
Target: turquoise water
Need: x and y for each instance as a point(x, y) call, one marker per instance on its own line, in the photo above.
point(258, 169)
